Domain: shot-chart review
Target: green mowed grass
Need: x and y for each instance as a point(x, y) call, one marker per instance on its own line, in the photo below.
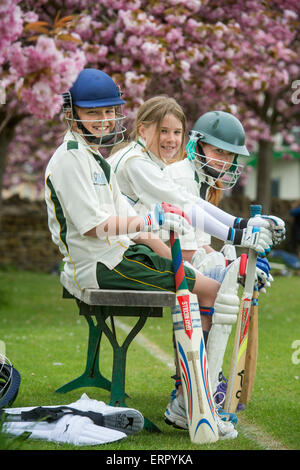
point(46, 340)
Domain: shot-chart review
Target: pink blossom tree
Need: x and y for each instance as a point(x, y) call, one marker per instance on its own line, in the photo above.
point(241, 56)
point(37, 65)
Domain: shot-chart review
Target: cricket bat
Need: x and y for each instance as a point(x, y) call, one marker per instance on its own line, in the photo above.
point(252, 350)
point(252, 346)
point(191, 351)
point(238, 360)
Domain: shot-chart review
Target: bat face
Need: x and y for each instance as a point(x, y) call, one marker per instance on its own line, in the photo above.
point(252, 351)
point(194, 372)
point(235, 384)
point(192, 356)
point(242, 347)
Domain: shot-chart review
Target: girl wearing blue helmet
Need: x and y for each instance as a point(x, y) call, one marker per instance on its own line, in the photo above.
point(90, 220)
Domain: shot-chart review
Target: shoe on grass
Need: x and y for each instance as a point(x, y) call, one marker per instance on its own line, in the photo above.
point(175, 415)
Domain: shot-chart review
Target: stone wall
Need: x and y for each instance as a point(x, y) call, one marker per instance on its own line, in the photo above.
point(25, 240)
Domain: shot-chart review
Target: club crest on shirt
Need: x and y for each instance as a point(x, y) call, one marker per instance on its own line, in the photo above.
point(99, 178)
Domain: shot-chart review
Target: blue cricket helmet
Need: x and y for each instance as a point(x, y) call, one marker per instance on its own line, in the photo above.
point(94, 88)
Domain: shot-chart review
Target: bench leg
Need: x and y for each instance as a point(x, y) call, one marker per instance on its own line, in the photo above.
point(91, 377)
point(117, 395)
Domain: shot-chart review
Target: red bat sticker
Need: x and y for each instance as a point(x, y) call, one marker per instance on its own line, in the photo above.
point(184, 302)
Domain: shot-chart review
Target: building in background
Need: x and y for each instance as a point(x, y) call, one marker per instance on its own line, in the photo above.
point(285, 173)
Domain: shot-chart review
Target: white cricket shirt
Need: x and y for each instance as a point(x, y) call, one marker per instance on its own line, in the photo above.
point(183, 174)
point(81, 192)
point(142, 180)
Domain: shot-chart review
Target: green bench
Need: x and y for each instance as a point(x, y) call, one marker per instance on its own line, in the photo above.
point(98, 306)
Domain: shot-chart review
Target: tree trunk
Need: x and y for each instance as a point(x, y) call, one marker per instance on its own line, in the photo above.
point(264, 172)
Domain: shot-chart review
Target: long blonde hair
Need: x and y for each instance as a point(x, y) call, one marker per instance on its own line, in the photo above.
point(215, 194)
point(153, 111)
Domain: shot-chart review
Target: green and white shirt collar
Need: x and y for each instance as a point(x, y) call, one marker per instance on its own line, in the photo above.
point(75, 136)
point(151, 155)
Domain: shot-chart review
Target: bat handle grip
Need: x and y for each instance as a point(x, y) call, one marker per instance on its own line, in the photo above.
point(255, 209)
point(243, 264)
point(172, 238)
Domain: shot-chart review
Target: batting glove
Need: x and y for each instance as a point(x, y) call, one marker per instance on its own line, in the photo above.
point(159, 219)
point(257, 238)
point(275, 224)
point(263, 276)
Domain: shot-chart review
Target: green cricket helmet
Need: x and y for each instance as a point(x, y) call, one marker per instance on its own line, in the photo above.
point(224, 131)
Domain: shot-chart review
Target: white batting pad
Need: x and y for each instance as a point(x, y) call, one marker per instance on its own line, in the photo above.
point(74, 429)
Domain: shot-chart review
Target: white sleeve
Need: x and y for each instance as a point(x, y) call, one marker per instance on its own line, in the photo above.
point(219, 214)
point(207, 223)
point(123, 207)
point(151, 185)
